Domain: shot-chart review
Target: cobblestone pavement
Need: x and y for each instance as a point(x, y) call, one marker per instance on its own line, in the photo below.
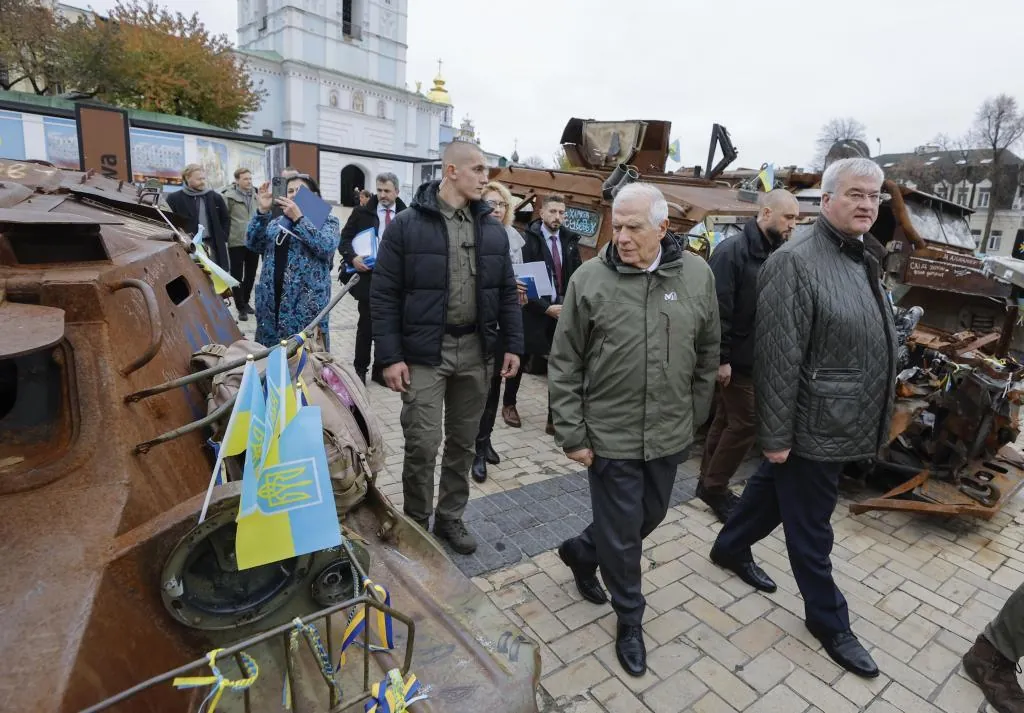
point(920, 590)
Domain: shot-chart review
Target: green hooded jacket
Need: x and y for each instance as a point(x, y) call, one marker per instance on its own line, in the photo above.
point(632, 368)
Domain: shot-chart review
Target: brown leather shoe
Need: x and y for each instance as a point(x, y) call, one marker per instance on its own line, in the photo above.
point(510, 415)
point(995, 675)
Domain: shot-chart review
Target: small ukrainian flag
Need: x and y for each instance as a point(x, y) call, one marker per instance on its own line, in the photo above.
point(673, 151)
point(767, 176)
point(236, 434)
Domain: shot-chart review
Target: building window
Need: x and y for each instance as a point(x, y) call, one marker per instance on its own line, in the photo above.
point(382, 109)
point(995, 240)
point(962, 196)
point(358, 102)
point(349, 26)
point(982, 201)
point(334, 100)
point(976, 234)
point(940, 191)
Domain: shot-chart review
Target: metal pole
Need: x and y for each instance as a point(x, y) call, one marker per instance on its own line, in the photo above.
point(293, 346)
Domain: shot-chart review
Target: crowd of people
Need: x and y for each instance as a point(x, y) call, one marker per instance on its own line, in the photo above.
point(790, 333)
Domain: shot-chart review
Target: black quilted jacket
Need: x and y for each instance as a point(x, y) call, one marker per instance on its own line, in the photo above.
point(826, 349)
point(409, 293)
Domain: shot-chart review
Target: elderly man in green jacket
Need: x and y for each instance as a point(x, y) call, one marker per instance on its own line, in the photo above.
point(630, 377)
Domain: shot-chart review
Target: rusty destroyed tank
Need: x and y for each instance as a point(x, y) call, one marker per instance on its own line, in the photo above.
point(607, 155)
point(110, 589)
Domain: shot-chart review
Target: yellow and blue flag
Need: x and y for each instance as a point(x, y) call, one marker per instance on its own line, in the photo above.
point(287, 504)
point(221, 278)
point(767, 176)
point(237, 432)
point(673, 151)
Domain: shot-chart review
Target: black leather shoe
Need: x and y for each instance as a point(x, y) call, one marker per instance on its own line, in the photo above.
point(586, 581)
point(848, 652)
point(492, 455)
point(630, 649)
point(747, 571)
point(722, 503)
point(479, 469)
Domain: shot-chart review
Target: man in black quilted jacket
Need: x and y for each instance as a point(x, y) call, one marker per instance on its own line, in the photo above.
point(442, 286)
point(823, 379)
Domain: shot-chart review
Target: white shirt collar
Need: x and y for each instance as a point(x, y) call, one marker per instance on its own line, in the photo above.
point(657, 261)
point(547, 233)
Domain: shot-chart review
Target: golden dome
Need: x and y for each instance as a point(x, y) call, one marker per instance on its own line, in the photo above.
point(438, 94)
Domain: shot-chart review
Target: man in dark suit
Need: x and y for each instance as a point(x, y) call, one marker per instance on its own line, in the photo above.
point(548, 240)
point(378, 213)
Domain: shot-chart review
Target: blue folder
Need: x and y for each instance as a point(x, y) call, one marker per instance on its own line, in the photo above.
point(313, 207)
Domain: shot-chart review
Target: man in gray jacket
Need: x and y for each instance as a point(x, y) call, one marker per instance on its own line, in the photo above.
point(630, 377)
point(240, 197)
point(823, 380)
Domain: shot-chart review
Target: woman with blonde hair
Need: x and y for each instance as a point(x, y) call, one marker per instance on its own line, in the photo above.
point(502, 206)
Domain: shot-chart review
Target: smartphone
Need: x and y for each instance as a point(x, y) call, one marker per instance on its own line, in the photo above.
point(278, 189)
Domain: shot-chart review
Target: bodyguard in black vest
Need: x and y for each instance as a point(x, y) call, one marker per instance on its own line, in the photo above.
point(378, 213)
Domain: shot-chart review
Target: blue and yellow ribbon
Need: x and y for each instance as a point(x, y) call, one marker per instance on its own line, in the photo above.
point(382, 620)
point(303, 356)
point(393, 695)
point(218, 681)
point(323, 658)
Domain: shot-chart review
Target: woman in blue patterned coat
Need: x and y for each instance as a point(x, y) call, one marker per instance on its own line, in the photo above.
point(295, 281)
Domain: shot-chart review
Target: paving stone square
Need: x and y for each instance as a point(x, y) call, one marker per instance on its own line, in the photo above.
point(920, 589)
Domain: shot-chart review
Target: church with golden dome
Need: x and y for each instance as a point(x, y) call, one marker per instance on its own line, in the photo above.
point(335, 75)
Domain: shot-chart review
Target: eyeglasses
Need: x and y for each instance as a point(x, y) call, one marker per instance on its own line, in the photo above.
point(497, 204)
point(858, 197)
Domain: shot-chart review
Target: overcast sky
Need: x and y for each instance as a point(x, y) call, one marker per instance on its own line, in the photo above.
point(772, 72)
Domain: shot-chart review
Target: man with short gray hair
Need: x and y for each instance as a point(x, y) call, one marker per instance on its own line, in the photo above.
point(630, 378)
point(378, 213)
point(824, 386)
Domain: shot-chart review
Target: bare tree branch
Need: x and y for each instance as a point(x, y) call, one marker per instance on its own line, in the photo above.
point(998, 126)
point(838, 129)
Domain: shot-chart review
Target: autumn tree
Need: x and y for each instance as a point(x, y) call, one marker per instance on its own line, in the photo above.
point(31, 47)
point(170, 63)
point(534, 162)
point(142, 56)
point(998, 125)
point(839, 129)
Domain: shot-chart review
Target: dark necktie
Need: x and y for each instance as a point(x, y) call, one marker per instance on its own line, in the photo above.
point(556, 259)
point(387, 217)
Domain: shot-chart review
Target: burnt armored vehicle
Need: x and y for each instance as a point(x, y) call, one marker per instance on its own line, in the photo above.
point(116, 367)
point(606, 155)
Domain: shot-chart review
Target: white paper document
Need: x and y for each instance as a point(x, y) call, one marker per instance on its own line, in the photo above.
point(539, 272)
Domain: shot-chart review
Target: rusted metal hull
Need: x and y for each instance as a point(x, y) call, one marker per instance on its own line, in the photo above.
point(88, 520)
point(467, 653)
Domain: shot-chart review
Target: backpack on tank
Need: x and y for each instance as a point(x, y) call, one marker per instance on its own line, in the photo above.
point(352, 437)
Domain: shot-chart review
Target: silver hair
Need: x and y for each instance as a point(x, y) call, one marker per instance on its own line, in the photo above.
point(850, 167)
point(388, 177)
point(658, 206)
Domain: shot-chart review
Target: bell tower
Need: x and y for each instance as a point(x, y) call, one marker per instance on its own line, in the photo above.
point(363, 38)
